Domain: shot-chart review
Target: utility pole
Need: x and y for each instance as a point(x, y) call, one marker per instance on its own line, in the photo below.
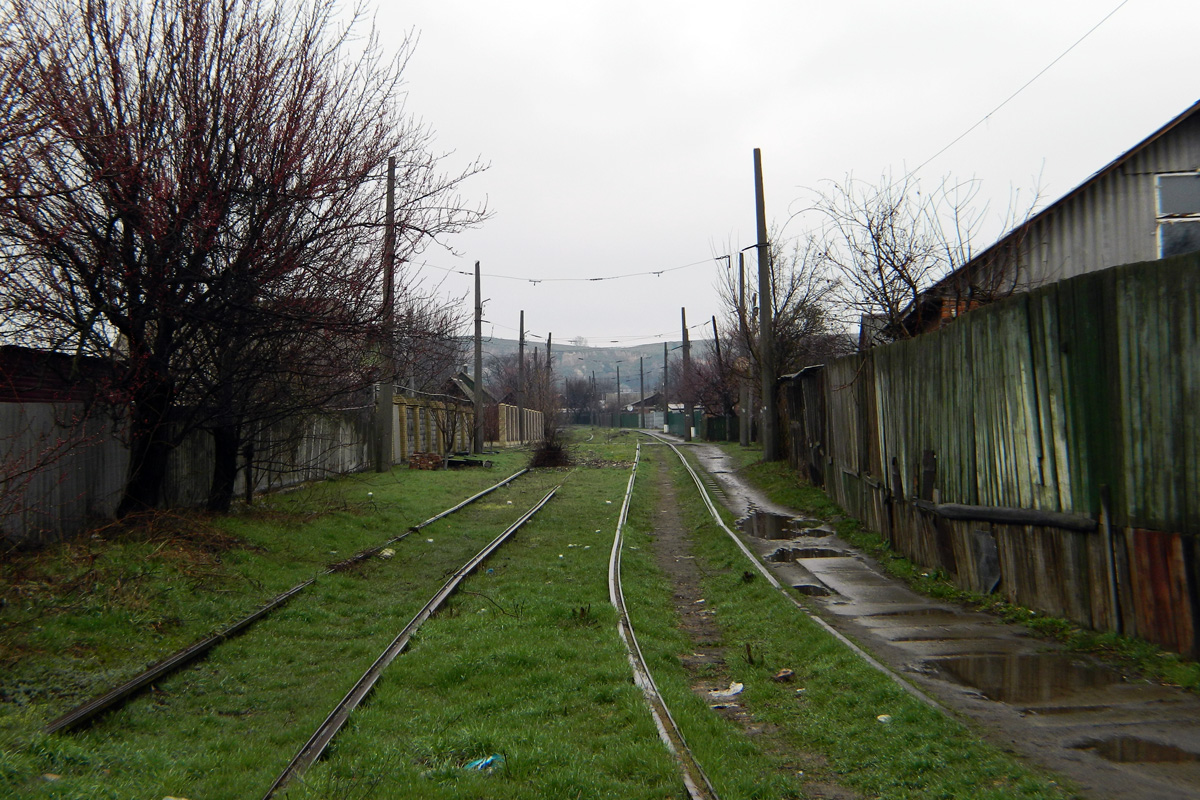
point(666, 403)
point(689, 413)
point(747, 415)
point(521, 383)
point(618, 395)
point(770, 420)
point(595, 401)
point(547, 422)
point(477, 439)
point(725, 405)
point(642, 389)
point(387, 383)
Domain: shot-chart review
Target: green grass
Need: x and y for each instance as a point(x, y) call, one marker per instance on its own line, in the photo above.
point(919, 754)
point(782, 485)
point(523, 662)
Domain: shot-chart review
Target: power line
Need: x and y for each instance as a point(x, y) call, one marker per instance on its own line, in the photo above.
point(1025, 86)
point(536, 281)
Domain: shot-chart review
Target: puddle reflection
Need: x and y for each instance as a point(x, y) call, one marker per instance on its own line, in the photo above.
point(1026, 677)
point(1131, 750)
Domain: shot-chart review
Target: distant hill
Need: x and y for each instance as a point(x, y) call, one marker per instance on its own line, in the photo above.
point(576, 361)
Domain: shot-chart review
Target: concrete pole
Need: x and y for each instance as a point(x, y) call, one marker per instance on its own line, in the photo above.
point(548, 423)
point(666, 403)
point(770, 421)
point(521, 383)
point(477, 438)
point(689, 413)
point(642, 389)
point(387, 382)
point(744, 398)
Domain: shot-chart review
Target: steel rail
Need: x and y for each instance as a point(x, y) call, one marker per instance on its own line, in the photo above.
point(694, 778)
point(114, 697)
point(766, 573)
point(319, 741)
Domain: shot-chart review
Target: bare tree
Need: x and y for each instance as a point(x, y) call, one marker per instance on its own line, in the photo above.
point(889, 243)
point(192, 192)
point(804, 327)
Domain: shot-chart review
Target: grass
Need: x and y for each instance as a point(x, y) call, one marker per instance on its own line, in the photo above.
point(919, 754)
point(523, 663)
point(782, 485)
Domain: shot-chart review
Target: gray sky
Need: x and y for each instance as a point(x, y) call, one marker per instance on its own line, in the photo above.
point(620, 134)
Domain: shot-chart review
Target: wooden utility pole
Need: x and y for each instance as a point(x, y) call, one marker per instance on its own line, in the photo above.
point(521, 383)
point(744, 423)
point(689, 412)
point(642, 389)
point(387, 382)
point(770, 417)
point(477, 438)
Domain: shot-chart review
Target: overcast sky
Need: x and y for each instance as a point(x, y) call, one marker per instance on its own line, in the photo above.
point(621, 134)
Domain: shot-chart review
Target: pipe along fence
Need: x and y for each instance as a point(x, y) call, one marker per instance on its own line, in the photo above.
point(1045, 447)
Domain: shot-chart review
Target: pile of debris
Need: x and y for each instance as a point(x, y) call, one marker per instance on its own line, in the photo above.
point(425, 461)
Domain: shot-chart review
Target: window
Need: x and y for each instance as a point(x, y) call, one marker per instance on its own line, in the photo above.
point(1178, 213)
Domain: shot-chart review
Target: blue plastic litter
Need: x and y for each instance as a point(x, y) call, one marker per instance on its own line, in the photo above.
point(483, 764)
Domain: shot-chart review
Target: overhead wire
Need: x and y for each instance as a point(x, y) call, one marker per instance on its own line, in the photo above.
point(1024, 86)
point(593, 279)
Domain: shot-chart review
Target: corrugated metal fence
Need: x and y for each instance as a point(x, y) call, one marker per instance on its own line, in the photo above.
point(1074, 406)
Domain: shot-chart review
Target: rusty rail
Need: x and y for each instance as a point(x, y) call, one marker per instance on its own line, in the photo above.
point(697, 783)
point(114, 697)
point(315, 746)
point(771, 579)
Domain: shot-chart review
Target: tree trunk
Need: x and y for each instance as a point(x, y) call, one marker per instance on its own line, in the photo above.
point(150, 448)
point(226, 444)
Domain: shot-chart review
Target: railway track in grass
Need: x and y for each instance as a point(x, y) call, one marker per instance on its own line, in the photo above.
point(119, 695)
point(327, 730)
point(694, 778)
point(774, 582)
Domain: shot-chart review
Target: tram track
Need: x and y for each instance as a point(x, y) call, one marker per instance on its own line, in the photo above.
point(694, 778)
point(763, 570)
point(325, 733)
point(123, 693)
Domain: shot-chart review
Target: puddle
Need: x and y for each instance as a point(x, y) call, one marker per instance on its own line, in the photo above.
point(764, 525)
point(1025, 677)
point(812, 589)
point(1131, 750)
point(917, 612)
point(785, 554)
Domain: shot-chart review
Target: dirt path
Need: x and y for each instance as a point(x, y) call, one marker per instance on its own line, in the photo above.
point(706, 663)
point(1114, 735)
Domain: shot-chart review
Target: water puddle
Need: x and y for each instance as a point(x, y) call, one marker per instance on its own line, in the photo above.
point(786, 554)
point(812, 589)
point(1131, 750)
point(916, 612)
point(1025, 677)
point(764, 525)
point(768, 525)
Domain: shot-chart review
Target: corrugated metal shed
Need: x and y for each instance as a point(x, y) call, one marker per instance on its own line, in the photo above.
point(1109, 219)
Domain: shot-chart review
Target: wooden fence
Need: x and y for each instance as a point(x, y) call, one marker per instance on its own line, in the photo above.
point(1046, 446)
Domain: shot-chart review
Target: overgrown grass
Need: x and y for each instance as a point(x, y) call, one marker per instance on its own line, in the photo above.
point(782, 485)
point(67, 640)
point(920, 753)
